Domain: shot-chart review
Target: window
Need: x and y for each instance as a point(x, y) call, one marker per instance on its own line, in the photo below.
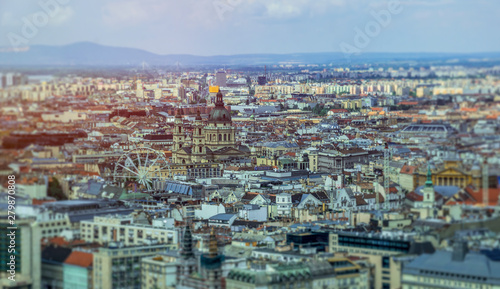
point(386, 262)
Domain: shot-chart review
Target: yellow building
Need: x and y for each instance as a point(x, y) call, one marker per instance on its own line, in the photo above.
point(449, 173)
point(352, 104)
point(158, 272)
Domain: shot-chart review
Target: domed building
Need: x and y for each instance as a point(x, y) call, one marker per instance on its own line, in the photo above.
point(213, 142)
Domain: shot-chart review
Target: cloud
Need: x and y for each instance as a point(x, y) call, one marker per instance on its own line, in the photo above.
point(290, 9)
point(63, 15)
point(8, 19)
point(128, 13)
point(56, 16)
point(429, 3)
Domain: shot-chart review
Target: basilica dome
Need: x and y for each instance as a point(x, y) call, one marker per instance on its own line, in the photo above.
point(219, 113)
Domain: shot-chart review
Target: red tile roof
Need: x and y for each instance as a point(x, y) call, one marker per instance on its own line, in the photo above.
point(409, 170)
point(81, 259)
point(408, 103)
point(338, 110)
point(477, 196)
point(414, 197)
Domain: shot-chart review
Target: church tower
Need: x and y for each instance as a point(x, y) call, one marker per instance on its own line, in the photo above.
point(198, 140)
point(428, 190)
point(187, 264)
point(178, 135)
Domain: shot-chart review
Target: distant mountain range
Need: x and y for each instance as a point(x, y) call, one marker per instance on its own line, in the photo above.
point(91, 54)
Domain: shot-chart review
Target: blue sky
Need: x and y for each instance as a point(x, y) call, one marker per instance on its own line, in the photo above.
point(214, 27)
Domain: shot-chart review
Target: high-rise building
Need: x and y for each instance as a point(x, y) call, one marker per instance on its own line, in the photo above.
point(221, 79)
point(120, 267)
point(381, 252)
point(27, 254)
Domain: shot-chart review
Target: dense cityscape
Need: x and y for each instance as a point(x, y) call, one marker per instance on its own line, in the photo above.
point(298, 171)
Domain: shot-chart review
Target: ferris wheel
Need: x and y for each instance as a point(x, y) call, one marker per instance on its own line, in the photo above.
point(142, 166)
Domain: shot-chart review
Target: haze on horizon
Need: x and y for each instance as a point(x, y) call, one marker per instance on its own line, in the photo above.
point(225, 27)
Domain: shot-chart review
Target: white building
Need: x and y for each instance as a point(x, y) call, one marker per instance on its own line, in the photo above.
point(284, 204)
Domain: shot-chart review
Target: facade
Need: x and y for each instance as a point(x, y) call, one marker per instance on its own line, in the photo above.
point(334, 162)
point(213, 142)
point(53, 258)
point(158, 272)
point(450, 173)
point(104, 230)
point(118, 266)
point(378, 250)
point(78, 271)
point(221, 79)
point(284, 204)
point(27, 254)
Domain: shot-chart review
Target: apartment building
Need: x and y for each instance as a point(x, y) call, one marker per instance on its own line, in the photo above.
point(379, 249)
point(159, 271)
point(27, 255)
point(335, 161)
point(111, 228)
point(119, 266)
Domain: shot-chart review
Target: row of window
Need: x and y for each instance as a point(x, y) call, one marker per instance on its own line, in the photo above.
point(52, 224)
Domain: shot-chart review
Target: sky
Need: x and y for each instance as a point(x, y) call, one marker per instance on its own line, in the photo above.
point(228, 27)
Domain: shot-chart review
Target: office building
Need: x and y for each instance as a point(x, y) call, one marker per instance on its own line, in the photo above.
point(27, 254)
point(118, 266)
point(452, 269)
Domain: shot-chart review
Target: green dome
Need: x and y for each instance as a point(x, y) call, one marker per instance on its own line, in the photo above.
point(219, 114)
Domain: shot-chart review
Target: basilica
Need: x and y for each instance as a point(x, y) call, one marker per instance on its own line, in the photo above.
point(213, 142)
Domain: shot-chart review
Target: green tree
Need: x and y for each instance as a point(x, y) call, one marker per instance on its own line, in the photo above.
point(55, 190)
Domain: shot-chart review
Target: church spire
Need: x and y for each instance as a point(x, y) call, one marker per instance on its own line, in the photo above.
point(187, 243)
point(219, 101)
point(428, 183)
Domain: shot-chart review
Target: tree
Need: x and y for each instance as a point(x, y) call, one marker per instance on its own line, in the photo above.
point(55, 190)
